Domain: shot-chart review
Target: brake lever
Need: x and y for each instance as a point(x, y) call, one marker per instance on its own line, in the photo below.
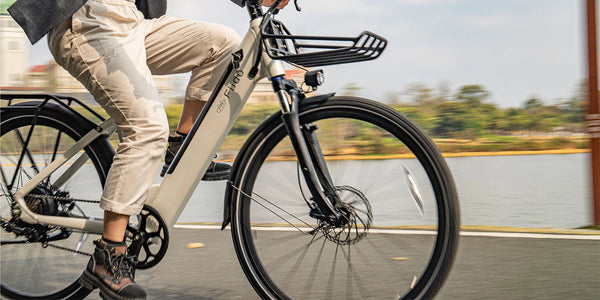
point(273, 10)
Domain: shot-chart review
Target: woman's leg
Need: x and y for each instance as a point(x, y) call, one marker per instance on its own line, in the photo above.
point(114, 226)
point(103, 47)
point(191, 111)
point(176, 45)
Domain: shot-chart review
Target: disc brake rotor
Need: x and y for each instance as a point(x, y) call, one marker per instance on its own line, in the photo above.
point(356, 207)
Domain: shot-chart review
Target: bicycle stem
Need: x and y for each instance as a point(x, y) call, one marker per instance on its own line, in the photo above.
point(308, 152)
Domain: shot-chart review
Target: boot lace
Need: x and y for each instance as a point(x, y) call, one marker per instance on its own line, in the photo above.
point(123, 266)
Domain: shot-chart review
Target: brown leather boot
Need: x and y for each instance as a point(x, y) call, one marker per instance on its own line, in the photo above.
point(216, 170)
point(111, 270)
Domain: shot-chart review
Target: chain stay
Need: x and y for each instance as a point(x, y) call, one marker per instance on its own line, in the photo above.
point(67, 199)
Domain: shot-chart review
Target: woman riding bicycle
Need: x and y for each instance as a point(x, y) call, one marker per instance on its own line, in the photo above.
point(113, 47)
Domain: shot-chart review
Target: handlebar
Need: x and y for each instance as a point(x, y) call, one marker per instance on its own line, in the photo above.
point(255, 8)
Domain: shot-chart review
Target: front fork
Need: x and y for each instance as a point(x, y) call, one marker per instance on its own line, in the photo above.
point(309, 154)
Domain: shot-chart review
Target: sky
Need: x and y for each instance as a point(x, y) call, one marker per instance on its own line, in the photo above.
point(516, 49)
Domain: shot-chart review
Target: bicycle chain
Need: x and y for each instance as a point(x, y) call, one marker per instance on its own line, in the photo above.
point(66, 249)
point(59, 198)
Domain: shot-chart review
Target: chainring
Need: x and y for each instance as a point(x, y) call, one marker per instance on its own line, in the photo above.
point(150, 238)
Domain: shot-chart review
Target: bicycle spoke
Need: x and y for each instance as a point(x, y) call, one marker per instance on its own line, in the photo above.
point(24, 152)
point(330, 282)
point(54, 152)
point(302, 249)
point(311, 277)
point(282, 218)
point(354, 276)
point(294, 269)
point(26, 149)
point(358, 259)
point(52, 270)
point(4, 179)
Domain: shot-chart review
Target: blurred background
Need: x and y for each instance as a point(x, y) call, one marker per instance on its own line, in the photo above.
point(501, 87)
point(480, 77)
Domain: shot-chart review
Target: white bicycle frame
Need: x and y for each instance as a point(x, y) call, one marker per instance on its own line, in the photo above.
point(171, 196)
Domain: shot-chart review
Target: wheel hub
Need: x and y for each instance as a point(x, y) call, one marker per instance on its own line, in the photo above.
point(39, 201)
point(356, 210)
point(41, 205)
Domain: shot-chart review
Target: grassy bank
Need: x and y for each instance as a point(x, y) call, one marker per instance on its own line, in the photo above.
point(355, 141)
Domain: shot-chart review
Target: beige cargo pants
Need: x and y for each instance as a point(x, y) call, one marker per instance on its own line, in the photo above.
point(113, 51)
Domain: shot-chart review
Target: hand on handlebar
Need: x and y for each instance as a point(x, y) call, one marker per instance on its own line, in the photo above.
point(270, 2)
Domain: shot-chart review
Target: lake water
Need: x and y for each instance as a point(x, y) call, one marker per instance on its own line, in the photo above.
point(522, 191)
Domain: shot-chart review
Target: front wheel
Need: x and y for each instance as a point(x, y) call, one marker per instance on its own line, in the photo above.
point(394, 184)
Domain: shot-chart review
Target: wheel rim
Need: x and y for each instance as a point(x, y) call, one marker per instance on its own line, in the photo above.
point(394, 256)
point(38, 269)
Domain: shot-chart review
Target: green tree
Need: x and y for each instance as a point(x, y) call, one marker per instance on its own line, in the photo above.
point(451, 118)
point(443, 91)
point(473, 95)
point(393, 98)
point(533, 102)
point(419, 93)
point(351, 89)
point(489, 115)
point(576, 107)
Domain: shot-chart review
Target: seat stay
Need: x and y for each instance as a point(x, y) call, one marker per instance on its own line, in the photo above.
point(106, 127)
point(64, 177)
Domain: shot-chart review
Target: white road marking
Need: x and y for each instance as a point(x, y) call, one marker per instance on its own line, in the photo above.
point(427, 232)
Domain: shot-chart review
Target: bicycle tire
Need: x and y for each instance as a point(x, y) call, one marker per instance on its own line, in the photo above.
point(267, 248)
point(32, 271)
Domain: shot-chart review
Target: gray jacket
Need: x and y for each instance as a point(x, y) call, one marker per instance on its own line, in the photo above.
point(38, 17)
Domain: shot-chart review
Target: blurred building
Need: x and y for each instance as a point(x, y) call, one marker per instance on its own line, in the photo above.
point(14, 50)
point(17, 77)
point(52, 78)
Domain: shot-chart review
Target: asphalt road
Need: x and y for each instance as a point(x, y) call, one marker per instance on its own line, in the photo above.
point(486, 268)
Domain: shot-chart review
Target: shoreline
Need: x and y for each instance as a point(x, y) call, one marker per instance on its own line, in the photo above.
point(405, 156)
point(444, 154)
point(523, 152)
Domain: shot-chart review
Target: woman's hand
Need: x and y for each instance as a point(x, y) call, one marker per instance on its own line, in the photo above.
point(270, 2)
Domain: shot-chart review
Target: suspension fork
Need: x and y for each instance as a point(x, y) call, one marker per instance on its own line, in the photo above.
point(309, 154)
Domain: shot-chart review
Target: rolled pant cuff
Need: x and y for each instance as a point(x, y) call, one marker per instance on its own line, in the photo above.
point(120, 208)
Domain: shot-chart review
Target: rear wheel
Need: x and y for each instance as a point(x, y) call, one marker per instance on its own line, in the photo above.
point(394, 184)
point(45, 262)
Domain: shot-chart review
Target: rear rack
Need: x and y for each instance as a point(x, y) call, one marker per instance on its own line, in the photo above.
point(319, 50)
point(64, 101)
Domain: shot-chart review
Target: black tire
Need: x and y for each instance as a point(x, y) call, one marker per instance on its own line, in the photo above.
point(386, 259)
point(31, 270)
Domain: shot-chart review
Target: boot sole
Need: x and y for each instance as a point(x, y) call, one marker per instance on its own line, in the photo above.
point(90, 281)
point(214, 176)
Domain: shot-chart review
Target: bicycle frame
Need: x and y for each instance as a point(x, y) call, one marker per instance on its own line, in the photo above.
point(210, 129)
